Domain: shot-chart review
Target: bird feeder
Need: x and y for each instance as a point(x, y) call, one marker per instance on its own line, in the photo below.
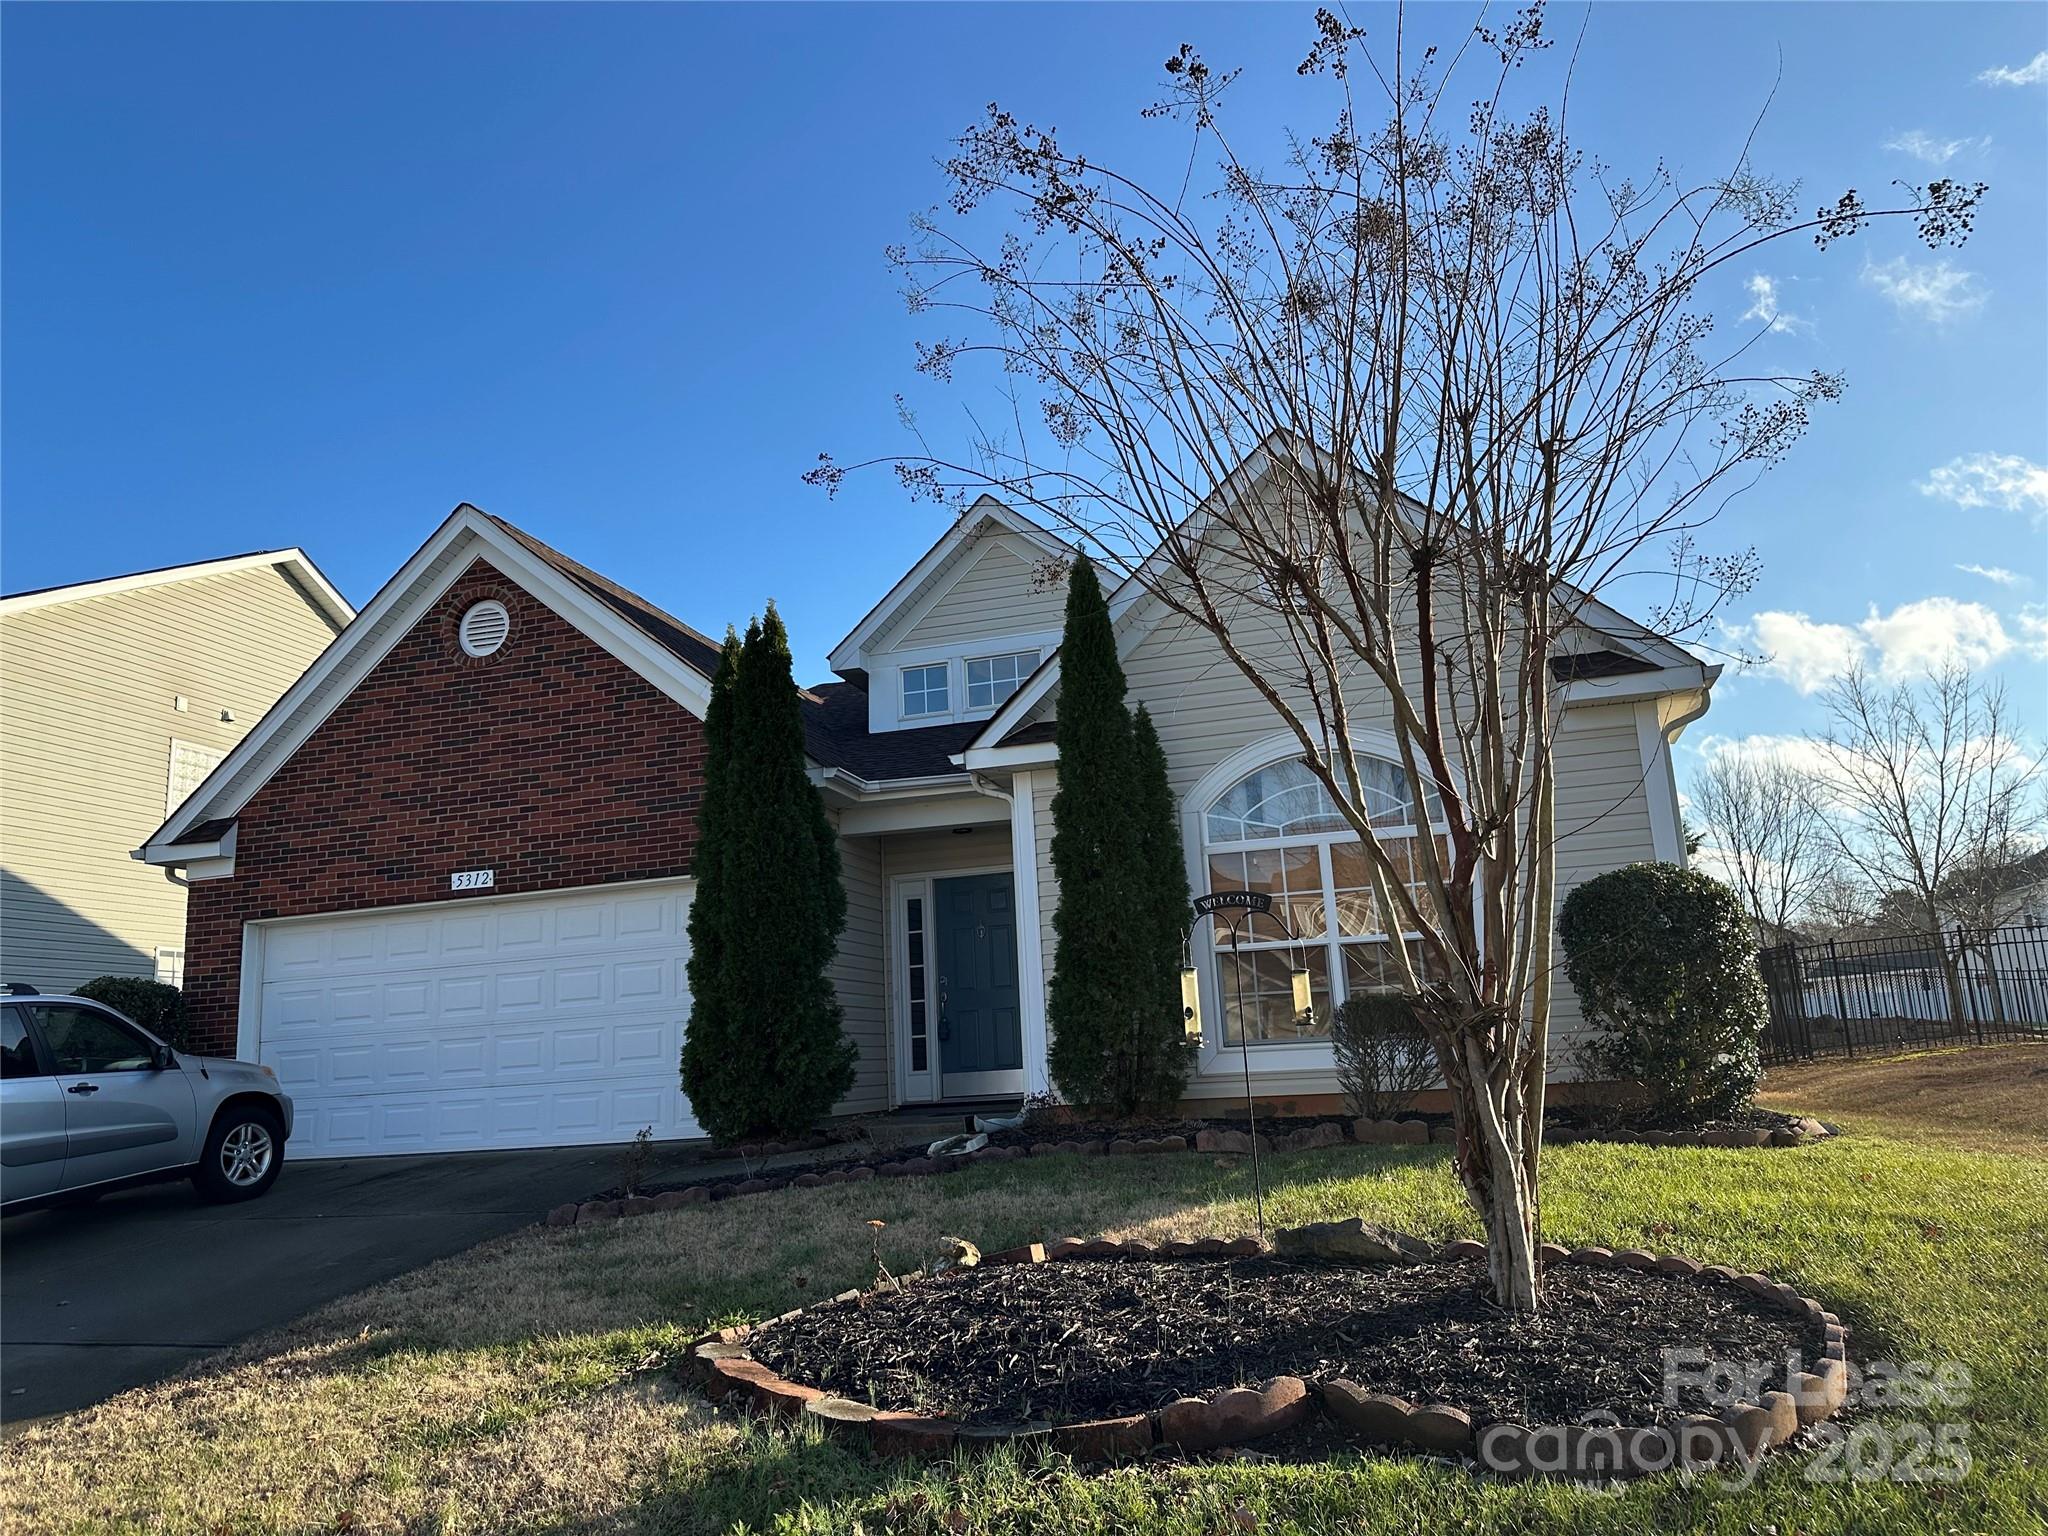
point(1191, 1002)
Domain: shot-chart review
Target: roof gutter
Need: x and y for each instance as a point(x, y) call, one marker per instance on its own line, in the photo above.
point(894, 788)
point(222, 847)
point(1030, 754)
point(1631, 686)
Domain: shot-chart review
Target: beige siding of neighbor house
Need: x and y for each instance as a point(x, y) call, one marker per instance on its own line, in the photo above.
point(88, 690)
point(1206, 710)
point(994, 595)
point(859, 974)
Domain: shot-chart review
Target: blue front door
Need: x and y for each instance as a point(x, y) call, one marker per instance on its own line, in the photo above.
point(981, 1037)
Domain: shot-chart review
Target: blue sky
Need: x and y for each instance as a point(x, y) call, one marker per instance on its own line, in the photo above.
point(312, 275)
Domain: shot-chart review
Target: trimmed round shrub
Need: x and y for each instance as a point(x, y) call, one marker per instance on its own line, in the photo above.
point(1383, 1053)
point(1665, 968)
point(157, 1006)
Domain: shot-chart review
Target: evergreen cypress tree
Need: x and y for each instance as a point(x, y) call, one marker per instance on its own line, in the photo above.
point(1163, 1054)
point(776, 913)
point(708, 1042)
point(1104, 917)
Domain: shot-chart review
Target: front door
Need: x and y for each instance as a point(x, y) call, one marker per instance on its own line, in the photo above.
point(981, 1036)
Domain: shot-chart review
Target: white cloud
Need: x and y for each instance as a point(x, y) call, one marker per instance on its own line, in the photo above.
point(1935, 290)
point(2033, 72)
point(1926, 147)
point(1800, 752)
point(1917, 638)
point(2033, 623)
point(1998, 575)
point(2003, 480)
point(1805, 654)
point(1912, 640)
point(1763, 305)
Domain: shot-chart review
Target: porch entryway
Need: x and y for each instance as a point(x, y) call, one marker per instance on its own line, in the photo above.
point(956, 999)
point(980, 1032)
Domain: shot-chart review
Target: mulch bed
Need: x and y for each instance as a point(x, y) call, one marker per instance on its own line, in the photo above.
point(1600, 1120)
point(1090, 1339)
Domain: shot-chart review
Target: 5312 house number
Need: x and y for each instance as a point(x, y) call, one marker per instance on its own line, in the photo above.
point(472, 879)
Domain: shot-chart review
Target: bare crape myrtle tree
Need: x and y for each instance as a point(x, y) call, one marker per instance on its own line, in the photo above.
point(1448, 380)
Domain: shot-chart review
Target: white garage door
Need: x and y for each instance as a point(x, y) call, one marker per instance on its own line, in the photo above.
point(532, 1021)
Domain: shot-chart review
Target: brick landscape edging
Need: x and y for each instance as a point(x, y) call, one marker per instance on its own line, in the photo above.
point(1219, 1140)
point(722, 1368)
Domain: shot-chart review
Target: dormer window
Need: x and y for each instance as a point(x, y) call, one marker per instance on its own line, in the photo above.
point(992, 679)
point(925, 691)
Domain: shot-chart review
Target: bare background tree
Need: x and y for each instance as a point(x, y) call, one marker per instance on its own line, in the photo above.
point(1931, 801)
point(1383, 420)
point(1765, 832)
point(1927, 789)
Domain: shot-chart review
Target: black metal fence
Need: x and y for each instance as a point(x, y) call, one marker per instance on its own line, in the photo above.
point(1965, 987)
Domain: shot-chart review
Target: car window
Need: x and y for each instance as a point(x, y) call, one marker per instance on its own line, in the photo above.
point(17, 1051)
point(84, 1040)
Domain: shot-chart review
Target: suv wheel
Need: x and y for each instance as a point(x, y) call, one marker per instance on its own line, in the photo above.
point(244, 1151)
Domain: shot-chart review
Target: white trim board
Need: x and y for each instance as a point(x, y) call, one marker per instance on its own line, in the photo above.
point(1024, 883)
point(295, 561)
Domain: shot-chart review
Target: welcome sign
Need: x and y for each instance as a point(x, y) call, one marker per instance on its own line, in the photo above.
point(1243, 901)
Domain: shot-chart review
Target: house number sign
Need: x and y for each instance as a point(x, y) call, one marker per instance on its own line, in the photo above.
point(472, 880)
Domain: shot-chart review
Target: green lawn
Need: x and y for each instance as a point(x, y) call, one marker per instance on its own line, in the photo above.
point(526, 1387)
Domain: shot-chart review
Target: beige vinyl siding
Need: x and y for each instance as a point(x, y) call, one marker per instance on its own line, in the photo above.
point(946, 851)
point(87, 690)
point(1206, 710)
point(1603, 822)
point(994, 595)
point(858, 975)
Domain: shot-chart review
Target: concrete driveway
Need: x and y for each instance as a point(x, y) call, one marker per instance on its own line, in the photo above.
point(109, 1296)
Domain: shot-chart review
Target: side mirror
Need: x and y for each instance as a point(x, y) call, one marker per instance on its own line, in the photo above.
point(166, 1060)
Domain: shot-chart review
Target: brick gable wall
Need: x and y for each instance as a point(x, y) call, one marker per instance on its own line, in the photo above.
point(550, 762)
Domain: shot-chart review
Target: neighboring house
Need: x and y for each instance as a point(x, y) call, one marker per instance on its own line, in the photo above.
point(117, 698)
point(443, 887)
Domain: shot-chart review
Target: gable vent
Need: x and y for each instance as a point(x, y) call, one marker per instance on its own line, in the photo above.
point(484, 628)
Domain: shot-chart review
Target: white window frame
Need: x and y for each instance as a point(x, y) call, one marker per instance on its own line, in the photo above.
point(904, 711)
point(1023, 662)
point(1213, 974)
point(170, 966)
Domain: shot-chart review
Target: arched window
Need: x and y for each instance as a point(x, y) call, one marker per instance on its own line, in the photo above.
point(1277, 830)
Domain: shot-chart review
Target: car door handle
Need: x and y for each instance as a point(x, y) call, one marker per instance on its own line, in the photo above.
point(83, 1088)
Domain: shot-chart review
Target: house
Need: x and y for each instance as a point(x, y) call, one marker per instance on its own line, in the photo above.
point(443, 887)
point(119, 697)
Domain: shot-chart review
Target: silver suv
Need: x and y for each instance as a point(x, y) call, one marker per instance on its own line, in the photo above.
point(90, 1101)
